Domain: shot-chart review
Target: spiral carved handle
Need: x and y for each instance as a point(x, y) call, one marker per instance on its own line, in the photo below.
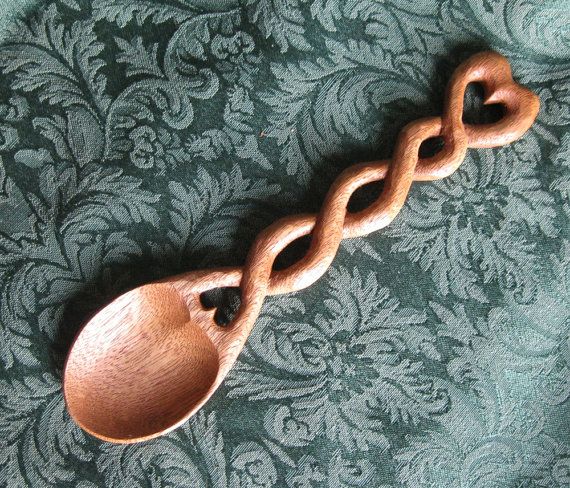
point(257, 279)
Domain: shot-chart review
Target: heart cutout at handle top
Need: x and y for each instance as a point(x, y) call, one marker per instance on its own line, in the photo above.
point(493, 72)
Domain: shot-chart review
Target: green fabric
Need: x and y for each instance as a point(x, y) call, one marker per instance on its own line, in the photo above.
point(12, 10)
point(141, 138)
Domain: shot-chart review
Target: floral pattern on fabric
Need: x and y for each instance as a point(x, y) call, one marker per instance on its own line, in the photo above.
point(142, 138)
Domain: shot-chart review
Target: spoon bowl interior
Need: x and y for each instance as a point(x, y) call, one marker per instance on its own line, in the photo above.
point(139, 367)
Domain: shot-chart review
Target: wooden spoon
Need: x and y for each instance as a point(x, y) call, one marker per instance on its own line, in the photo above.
point(149, 360)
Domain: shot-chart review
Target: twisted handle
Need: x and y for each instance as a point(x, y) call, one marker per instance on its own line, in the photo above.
point(334, 223)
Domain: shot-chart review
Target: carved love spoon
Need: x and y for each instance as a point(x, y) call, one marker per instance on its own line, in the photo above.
point(151, 358)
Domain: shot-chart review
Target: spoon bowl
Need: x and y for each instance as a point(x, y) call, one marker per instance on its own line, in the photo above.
point(152, 368)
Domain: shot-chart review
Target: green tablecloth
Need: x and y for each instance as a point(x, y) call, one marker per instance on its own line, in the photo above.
point(141, 138)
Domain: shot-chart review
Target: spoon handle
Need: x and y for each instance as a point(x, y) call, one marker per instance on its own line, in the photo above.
point(257, 279)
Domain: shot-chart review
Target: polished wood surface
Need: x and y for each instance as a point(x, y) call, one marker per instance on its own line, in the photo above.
point(150, 359)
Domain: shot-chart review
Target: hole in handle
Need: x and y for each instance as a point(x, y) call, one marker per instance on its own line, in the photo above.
point(225, 300)
point(474, 112)
point(292, 253)
point(364, 196)
point(431, 146)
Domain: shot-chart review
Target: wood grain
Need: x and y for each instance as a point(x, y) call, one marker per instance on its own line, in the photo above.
point(154, 356)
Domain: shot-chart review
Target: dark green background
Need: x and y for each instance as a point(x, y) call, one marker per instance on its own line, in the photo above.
point(144, 138)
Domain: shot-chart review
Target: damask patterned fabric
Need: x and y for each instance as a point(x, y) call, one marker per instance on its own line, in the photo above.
point(141, 138)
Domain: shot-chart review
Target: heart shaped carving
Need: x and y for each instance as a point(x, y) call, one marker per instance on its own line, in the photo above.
point(493, 72)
